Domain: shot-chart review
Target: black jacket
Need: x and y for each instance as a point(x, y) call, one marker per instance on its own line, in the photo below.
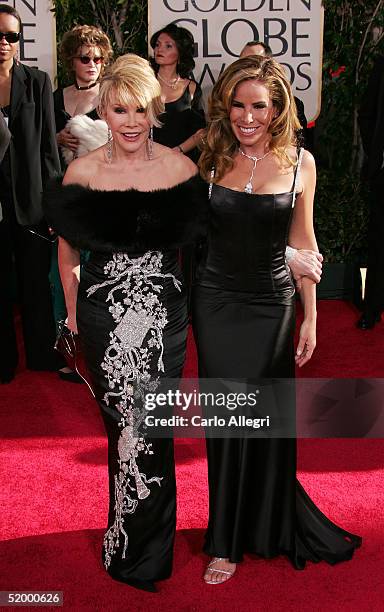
point(5, 136)
point(33, 150)
point(371, 120)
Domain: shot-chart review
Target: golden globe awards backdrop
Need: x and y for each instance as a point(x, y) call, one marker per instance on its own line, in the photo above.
point(38, 40)
point(292, 28)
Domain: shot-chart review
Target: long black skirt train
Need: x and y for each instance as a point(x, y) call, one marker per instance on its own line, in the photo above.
point(256, 504)
point(132, 322)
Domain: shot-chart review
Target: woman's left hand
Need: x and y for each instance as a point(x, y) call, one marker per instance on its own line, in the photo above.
point(307, 342)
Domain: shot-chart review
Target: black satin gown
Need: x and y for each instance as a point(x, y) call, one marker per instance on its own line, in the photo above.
point(132, 322)
point(180, 120)
point(244, 321)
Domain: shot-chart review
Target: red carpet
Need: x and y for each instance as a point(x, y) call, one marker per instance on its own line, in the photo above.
point(54, 499)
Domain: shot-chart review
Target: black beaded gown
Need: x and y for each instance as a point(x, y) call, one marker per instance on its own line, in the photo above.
point(244, 321)
point(132, 322)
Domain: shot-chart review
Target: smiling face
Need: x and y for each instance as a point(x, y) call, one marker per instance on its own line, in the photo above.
point(8, 23)
point(90, 72)
point(129, 125)
point(166, 52)
point(251, 114)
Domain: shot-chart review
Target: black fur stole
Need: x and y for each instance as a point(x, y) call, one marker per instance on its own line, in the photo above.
point(112, 221)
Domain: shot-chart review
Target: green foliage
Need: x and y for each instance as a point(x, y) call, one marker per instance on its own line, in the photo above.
point(353, 37)
point(341, 213)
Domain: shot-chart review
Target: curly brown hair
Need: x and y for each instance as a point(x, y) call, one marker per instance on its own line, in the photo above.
point(220, 144)
point(83, 35)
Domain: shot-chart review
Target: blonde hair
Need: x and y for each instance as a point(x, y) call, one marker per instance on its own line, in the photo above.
point(220, 143)
point(131, 80)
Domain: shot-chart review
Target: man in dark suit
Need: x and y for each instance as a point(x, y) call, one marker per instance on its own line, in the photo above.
point(31, 158)
point(371, 122)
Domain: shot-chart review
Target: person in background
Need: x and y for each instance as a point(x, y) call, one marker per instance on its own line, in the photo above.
point(5, 136)
point(84, 51)
point(30, 160)
point(371, 122)
point(183, 120)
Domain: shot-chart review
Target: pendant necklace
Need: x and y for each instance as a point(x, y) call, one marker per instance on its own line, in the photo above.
point(84, 87)
point(172, 84)
point(248, 188)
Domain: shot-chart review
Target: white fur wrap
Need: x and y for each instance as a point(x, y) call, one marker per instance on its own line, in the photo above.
point(91, 135)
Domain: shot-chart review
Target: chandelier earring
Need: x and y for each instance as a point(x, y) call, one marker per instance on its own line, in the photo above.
point(150, 143)
point(109, 146)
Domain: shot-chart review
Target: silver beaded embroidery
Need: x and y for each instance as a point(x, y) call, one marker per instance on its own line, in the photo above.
point(135, 343)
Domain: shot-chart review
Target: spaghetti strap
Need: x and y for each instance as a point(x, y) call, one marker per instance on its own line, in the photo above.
point(297, 173)
point(211, 182)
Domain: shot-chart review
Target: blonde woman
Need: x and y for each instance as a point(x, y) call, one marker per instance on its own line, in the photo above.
point(262, 191)
point(132, 203)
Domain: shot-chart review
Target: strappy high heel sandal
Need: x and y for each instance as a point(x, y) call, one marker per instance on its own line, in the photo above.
point(211, 569)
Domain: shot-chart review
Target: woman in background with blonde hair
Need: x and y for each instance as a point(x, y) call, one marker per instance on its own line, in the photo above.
point(262, 191)
point(132, 203)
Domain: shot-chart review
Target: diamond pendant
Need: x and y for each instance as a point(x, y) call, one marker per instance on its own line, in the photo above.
point(248, 188)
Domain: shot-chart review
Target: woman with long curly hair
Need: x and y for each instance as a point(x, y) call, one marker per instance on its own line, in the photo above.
point(262, 191)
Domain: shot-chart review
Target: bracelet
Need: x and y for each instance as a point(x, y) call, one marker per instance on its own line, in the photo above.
point(290, 253)
point(180, 149)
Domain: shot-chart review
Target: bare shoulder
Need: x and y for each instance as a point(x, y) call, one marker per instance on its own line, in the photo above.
point(82, 169)
point(307, 178)
point(177, 165)
point(308, 161)
point(308, 172)
point(192, 87)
